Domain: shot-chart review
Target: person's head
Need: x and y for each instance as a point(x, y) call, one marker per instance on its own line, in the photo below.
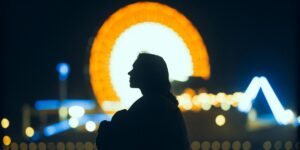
point(150, 73)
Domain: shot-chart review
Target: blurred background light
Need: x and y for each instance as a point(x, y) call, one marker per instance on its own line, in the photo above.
point(111, 106)
point(6, 140)
point(56, 128)
point(76, 111)
point(220, 120)
point(42, 146)
point(63, 112)
point(23, 146)
point(281, 115)
point(277, 145)
point(33, 146)
point(246, 145)
point(236, 145)
point(143, 37)
point(5, 123)
point(14, 146)
point(225, 106)
point(249, 95)
point(60, 146)
point(73, 122)
point(52, 104)
point(225, 145)
point(70, 146)
point(267, 145)
point(205, 145)
point(139, 34)
point(29, 131)
point(63, 70)
point(288, 145)
point(195, 145)
point(90, 126)
point(215, 145)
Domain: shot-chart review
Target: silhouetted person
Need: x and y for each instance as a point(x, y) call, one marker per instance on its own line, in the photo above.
point(154, 121)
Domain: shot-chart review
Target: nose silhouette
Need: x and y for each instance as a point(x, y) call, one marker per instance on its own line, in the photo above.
point(130, 72)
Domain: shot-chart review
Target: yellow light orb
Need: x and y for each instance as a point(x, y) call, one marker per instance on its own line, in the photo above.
point(225, 106)
point(63, 112)
point(29, 131)
point(142, 15)
point(5, 123)
point(6, 140)
point(220, 120)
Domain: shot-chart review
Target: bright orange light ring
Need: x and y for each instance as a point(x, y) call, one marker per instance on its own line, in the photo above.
point(133, 14)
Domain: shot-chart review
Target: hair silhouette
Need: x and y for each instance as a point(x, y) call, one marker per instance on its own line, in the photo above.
point(154, 121)
point(151, 73)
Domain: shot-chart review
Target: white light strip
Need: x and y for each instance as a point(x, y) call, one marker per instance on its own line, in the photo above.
point(250, 94)
point(281, 115)
point(273, 101)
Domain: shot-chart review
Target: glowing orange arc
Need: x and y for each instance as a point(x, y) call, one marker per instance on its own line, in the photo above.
point(128, 16)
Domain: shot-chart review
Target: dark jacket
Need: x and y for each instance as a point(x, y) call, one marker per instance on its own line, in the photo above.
point(151, 123)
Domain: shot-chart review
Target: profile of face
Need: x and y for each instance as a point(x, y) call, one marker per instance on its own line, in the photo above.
point(149, 72)
point(134, 76)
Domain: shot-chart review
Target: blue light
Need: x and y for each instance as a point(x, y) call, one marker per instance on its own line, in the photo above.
point(86, 104)
point(63, 69)
point(36, 136)
point(53, 104)
point(56, 128)
point(99, 117)
point(64, 125)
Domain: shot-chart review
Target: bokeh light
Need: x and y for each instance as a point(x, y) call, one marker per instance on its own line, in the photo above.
point(76, 111)
point(5, 123)
point(236, 145)
point(215, 145)
point(29, 131)
point(225, 145)
point(23, 146)
point(73, 122)
point(118, 36)
point(195, 145)
point(278, 145)
point(42, 146)
point(267, 145)
point(6, 140)
point(90, 126)
point(205, 145)
point(288, 145)
point(220, 120)
point(63, 69)
point(63, 112)
point(33, 146)
point(246, 145)
point(14, 146)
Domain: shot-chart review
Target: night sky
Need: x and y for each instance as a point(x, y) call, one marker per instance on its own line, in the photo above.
point(244, 39)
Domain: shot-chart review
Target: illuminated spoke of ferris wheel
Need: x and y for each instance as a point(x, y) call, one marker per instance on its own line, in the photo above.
point(249, 95)
point(282, 116)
